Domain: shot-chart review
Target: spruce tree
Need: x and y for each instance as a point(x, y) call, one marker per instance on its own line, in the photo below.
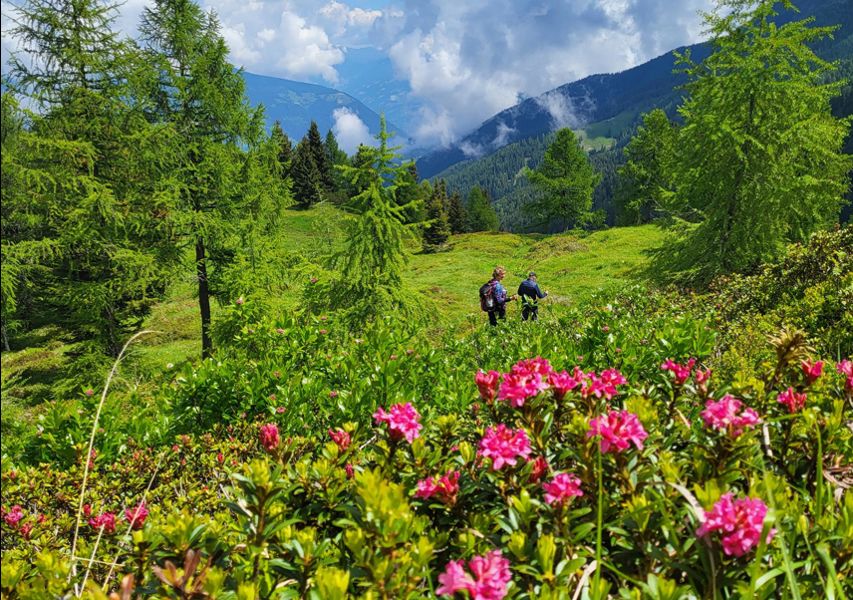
point(202, 96)
point(334, 154)
point(566, 181)
point(759, 155)
point(321, 159)
point(646, 178)
point(336, 157)
point(456, 214)
point(285, 148)
point(437, 226)
point(481, 213)
point(307, 184)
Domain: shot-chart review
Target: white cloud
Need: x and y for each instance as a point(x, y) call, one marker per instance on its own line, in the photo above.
point(502, 136)
point(350, 130)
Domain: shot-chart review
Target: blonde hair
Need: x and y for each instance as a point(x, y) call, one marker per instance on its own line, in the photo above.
point(498, 272)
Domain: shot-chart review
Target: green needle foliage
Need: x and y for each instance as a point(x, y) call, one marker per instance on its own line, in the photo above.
point(369, 283)
point(760, 153)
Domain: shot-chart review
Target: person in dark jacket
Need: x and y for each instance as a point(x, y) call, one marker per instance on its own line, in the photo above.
point(530, 294)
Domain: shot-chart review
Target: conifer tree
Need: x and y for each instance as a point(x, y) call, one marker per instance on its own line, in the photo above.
point(370, 281)
point(334, 154)
point(759, 155)
point(307, 184)
point(481, 213)
point(336, 157)
point(456, 214)
point(201, 94)
point(646, 178)
point(566, 181)
point(285, 148)
point(437, 227)
point(321, 158)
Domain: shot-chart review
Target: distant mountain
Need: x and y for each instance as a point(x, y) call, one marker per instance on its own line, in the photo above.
point(296, 104)
point(609, 105)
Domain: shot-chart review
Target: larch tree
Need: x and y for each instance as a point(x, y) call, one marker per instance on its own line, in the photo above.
point(481, 213)
point(760, 153)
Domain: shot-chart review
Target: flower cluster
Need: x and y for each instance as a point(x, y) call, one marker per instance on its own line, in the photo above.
point(525, 380)
point(106, 520)
point(812, 370)
point(791, 399)
point(14, 516)
point(402, 419)
point(504, 445)
point(726, 415)
point(444, 488)
point(487, 383)
point(136, 516)
point(617, 429)
point(341, 438)
point(680, 372)
point(845, 367)
point(269, 436)
point(740, 523)
point(562, 488)
point(488, 579)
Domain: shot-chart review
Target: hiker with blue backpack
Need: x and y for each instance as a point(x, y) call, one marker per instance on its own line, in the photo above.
point(493, 297)
point(530, 294)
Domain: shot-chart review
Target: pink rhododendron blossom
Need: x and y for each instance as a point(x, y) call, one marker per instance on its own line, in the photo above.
point(739, 522)
point(845, 367)
point(794, 401)
point(681, 372)
point(487, 383)
point(504, 446)
point(539, 469)
point(26, 530)
point(617, 430)
point(562, 382)
point(106, 520)
point(562, 488)
point(701, 376)
point(489, 578)
point(136, 516)
point(350, 471)
point(726, 415)
point(13, 517)
point(403, 421)
point(341, 438)
point(444, 488)
point(812, 370)
point(518, 385)
point(269, 436)
point(538, 365)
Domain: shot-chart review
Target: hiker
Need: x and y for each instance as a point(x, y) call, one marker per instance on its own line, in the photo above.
point(493, 297)
point(530, 295)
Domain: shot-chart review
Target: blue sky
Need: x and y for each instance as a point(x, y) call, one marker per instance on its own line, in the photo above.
point(464, 60)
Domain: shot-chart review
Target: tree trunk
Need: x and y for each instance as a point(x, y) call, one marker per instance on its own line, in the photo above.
point(203, 298)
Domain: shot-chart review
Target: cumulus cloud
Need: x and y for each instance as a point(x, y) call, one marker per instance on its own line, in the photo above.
point(350, 130)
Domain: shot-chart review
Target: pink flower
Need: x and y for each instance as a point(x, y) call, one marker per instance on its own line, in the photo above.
point(812, 370)
point(562, 383)
point(26, 530)
point(13, 517)
point(341, 438)
point(349, 470)
point(487, 383)
point(106, 520)
point(444, 488)
point(220, 458)
point(681, 372)
point(89, 392)
point(136, 517)
point(740, 524)
point(539, 469)
point(845, 367)
point(726, 415)
point(333, 394)
point(538, 365)
point(239, 301)
point(792, 400)
point(617, 429)
point(269, 436)
point(280, 410)
point(504, 446)
point(518, 386)
point(562, 488)
point(489, 578)
point(702, 376)
point(403, 421)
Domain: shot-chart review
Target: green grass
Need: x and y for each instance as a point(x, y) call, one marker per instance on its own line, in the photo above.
point(571, 267)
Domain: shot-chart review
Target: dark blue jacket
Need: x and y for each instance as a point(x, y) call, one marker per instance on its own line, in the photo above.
point(530, 292)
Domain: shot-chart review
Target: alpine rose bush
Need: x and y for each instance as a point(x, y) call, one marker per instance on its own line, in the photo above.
point(403, 421)
point(792, 400)
point(443, 488)
point(618, 429)
point(739, 523)
point(488, 579)
point(562, 488)
point(726, 415)
point(504, 446)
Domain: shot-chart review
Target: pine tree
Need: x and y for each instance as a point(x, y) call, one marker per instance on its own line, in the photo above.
point(646, 178)
point(481, 213)
point(307, 184)
point(456, 214)
point(370, 283)
point(202, 96)
point(566, 181)
point(285, 149)
point(759, 155)
point(437, 228)
point(321, 159)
